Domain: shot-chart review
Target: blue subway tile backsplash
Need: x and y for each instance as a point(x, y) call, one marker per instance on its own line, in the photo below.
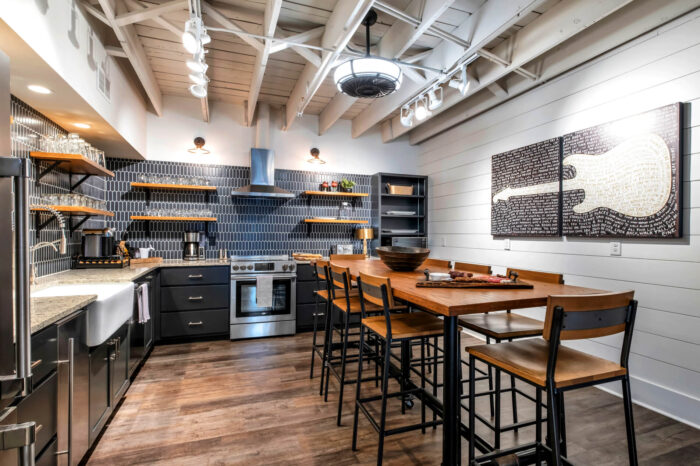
point(245, 226)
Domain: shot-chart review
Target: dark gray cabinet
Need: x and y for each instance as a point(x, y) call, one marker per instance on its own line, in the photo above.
point(306, 299)
point(109, 377)
point(73, 390)
point(193, 302)
point(141, 333)
point(40, 407)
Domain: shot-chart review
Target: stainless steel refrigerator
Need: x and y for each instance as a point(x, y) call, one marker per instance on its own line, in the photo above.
point(16, 439)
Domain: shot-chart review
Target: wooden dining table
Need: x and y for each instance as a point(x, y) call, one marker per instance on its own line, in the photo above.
point(452, 303)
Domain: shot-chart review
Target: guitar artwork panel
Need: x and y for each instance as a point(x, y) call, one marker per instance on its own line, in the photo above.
point(526, 213)
point(622, 179)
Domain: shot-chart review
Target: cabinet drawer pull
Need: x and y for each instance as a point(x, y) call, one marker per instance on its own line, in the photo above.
point(36, 363)
point(195, 324)
point(193, 276)
point(196, 298)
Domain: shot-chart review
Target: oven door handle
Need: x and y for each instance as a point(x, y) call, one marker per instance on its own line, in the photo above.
point(253, 277)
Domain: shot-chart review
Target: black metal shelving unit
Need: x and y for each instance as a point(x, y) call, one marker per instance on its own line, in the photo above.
point(382, 202)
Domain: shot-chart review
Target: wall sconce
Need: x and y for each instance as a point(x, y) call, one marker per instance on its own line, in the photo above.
point(315, 157)
point(198, 147)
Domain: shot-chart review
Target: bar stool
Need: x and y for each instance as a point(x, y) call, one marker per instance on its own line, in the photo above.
point(544, 364)
point(321, 296)
point(350, 306)
point(505, 326)
point(390, 327)
point(435, 263)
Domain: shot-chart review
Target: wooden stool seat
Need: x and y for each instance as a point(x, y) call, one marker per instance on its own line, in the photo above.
point(502, 325)
point(414, 325)
point(355, 305)
point(528, 359)
point(323, 294)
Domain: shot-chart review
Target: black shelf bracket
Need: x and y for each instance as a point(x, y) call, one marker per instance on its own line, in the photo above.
point(74, 228)
point(81, 181)
point(46, 171)
point(39, 225)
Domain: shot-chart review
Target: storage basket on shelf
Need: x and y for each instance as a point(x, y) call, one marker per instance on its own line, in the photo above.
point(395, 189)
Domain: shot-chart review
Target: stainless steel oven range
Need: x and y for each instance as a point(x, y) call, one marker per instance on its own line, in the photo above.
point(263, 296)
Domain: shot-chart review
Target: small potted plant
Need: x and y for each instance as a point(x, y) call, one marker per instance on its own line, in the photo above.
point(347, 185)
point(334, 185)
point(324, 186)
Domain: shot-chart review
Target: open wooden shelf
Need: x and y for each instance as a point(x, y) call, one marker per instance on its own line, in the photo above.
point(73, 163)
point(184, 187)
point(173, 219)
point(76, 210)
point(335, 194)
point(333, 220)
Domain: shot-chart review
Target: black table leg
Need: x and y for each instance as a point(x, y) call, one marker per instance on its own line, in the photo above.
point(451, 440)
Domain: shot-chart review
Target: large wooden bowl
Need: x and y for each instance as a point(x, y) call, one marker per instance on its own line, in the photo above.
point(402, 259)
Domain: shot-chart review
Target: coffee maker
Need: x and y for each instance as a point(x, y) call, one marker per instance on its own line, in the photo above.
point(191, 250)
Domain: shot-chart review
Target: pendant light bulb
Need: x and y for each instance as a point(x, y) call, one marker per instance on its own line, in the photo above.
point(190, 38)
point(435, 98)
point(422, 111)
point(198, 90)
point(406, 116)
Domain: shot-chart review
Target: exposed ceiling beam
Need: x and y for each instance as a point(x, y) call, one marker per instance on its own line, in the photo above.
point(340, 27)
point(272, 13)
point(556, 25)
point(95, 12)
point(115, 51)
point(175, 30)
point(205, 109)
point(497, 90)
point(308, 54)
point(399, 38)
point(300, 38)
point(601, 37)
point(134, 51)
point(150, 12)
point(488, 22)
point(217, 16)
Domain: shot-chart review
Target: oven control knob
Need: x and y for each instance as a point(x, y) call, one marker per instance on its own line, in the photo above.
point(250, 267)
point(291, 267)
point(284, 267)
point(235, 267)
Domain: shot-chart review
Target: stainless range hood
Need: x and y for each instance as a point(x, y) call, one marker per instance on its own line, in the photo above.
point(262, 177)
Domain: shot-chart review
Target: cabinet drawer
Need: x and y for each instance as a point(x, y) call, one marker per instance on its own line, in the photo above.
point(44, 354)
point(305, 292)
point(305, 273)
point(189, 298)
point(305, 317)
point(193, 323)
point(195, 276)
point(40, 407)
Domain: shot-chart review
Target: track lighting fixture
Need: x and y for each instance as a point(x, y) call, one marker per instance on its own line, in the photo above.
point(194, 38)
point(197, 64)
point(406, 116)
point(461, 83)
point(191, 36)
point(199, 78)
point(435, 98)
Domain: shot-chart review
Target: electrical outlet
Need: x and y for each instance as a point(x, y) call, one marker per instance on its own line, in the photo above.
point(443, 241)
point(506, 244)
point(615, 248)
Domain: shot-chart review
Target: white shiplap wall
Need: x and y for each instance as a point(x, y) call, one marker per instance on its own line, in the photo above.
point(659, 68)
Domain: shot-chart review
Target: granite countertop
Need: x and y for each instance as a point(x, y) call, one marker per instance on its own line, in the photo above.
point(48, 310)
point(127, 274)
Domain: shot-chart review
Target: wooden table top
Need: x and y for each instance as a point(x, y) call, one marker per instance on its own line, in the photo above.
point(454, 302)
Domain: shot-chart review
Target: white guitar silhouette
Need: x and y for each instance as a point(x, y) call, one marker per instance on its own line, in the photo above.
point(634, 178)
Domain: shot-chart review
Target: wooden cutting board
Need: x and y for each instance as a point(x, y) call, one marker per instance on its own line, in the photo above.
point(519, 285)
point(146, 261)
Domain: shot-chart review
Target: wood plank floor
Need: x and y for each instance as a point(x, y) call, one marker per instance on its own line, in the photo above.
point(252, 402)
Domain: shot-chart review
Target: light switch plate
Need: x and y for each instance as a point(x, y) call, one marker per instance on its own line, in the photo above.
point(615, 248)
point(506, 244)
point(443, 241)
